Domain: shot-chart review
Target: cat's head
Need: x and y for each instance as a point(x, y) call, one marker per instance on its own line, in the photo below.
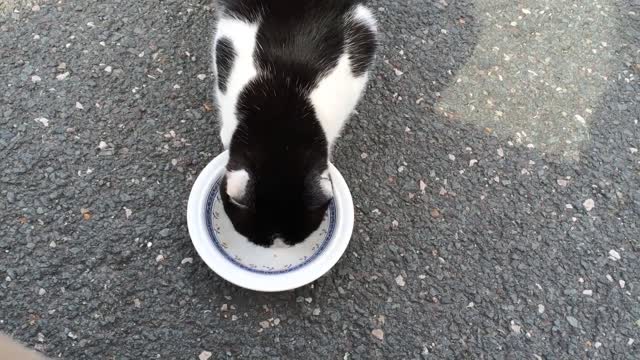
point(277, 183)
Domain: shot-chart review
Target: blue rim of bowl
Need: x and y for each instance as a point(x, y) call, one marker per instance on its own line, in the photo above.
point(213, 193)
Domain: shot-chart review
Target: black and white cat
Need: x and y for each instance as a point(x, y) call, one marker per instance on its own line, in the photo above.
point(289, 74)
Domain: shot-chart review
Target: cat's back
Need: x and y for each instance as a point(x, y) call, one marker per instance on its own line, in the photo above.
point(300, 35)
point(324, 47)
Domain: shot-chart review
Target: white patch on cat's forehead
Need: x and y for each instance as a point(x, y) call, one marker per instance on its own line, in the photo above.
point(363, 14)
point(237, 181)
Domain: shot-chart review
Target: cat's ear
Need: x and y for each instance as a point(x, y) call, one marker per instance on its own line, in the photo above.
point(320, 191)
point(325, 184)
point(238, 186)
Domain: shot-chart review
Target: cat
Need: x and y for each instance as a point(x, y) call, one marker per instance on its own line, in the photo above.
point(288, 75)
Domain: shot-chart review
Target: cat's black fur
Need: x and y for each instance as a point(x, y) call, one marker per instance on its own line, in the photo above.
point(279, 140)
point(224, 59)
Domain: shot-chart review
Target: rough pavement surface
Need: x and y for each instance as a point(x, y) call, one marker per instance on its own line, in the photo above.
point(493, 162)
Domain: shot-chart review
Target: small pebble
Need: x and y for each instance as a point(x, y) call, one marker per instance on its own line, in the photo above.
point(36, 78)
point(205, 355)
point(188, 260)
point(234, 318)
point(108, 69)
point(52, 244)
point(378, 334)
point(500, 152)
point(622, 284)
point(597, 344)
point(79, 106)
point(515, 327)
point(423, 186)
point(562, 182)
point(62, 76)
point(42, 291)
point(43, 121)
point(572, 321)
point(587, 292)
point(400, 280)
point(614, 255)
point(202, 76)
point(588, 204)
point(264, 324)
point(316, 311)
point(540, 308)
point(160, 258)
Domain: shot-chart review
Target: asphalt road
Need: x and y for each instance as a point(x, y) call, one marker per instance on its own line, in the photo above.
point(493, 162)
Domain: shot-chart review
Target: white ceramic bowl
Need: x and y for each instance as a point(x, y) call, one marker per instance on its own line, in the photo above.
point(241, 262)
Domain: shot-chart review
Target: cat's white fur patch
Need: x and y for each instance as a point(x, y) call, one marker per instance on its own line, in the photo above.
point(325, 184)
point(243, 37)
point(364, 15)
point(278, 243)
point(237, 181)
point(336, 96)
